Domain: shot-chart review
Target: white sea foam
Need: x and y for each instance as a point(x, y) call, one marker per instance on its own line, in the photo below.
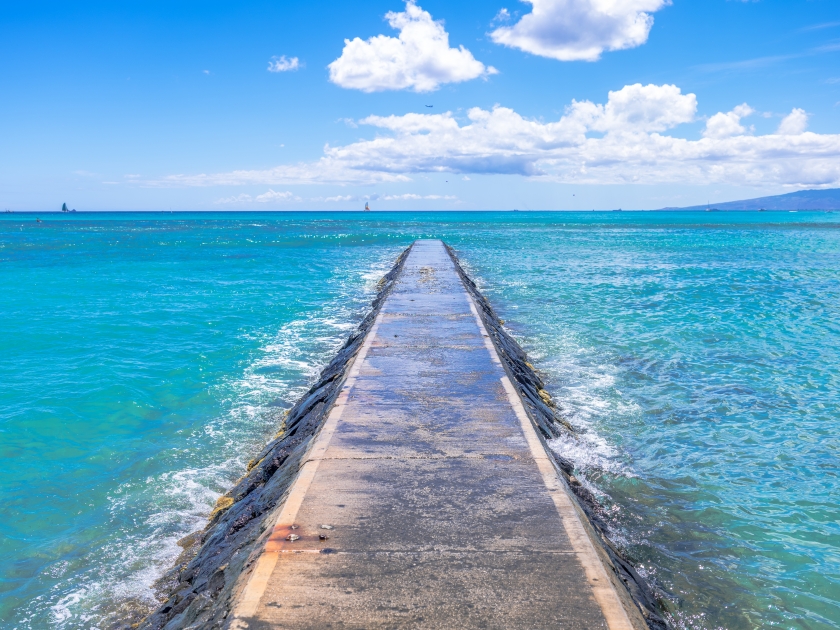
point(168, 506)
point(586, 393)
point(61, 609)
point(589, 451)
point(129, 565)
point(587, 396)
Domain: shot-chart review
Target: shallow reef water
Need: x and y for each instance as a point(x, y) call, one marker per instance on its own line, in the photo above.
point(146, 357)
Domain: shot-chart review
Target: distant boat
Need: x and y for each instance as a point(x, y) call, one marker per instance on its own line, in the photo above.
point(367, 207)
point(64, 208)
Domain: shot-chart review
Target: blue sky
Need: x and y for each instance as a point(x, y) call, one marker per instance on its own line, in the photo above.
point(153, 105)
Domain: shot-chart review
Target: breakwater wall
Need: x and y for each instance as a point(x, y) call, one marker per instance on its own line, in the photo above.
point(547, 417)
point(201, 590)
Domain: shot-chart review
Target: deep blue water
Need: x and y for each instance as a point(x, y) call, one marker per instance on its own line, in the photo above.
point(146, 356)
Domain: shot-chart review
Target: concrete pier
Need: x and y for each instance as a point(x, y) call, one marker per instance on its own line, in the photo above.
point(427, 499)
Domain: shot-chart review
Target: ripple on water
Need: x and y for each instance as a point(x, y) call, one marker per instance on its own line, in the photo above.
point(700, 362)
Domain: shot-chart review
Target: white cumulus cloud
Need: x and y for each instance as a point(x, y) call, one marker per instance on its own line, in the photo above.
point(419, 59)
point(629, 138)
point(580, 30)
point(729, 124)
point(281, 64)
point(794, 123)
point(645, 108)
point(502, 141)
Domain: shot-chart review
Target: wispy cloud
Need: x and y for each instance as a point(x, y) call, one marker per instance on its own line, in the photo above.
point(502, 16)
point(282, 64)
point(764, 62)
point(818, 27)
point(329, 169)
point(243, 198)
point(267, 197)
point(346, 198)
point(274, 196)
point(826, 48)
point(271, 195)
point(415, 197)
point(746, 64)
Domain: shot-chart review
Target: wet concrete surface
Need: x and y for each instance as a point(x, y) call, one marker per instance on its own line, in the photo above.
point(425, 503)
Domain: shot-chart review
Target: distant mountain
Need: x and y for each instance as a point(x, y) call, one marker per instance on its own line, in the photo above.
point(828, 199)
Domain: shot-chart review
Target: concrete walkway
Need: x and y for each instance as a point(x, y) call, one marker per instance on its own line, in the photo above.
point(438, 502)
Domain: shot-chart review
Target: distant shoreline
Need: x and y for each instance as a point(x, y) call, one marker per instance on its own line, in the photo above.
point(262, 211)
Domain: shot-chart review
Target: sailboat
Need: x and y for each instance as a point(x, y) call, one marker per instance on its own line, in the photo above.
point(64, 208)
point(367, 207)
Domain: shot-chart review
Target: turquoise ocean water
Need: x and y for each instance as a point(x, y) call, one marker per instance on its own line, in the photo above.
point(144, 358)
